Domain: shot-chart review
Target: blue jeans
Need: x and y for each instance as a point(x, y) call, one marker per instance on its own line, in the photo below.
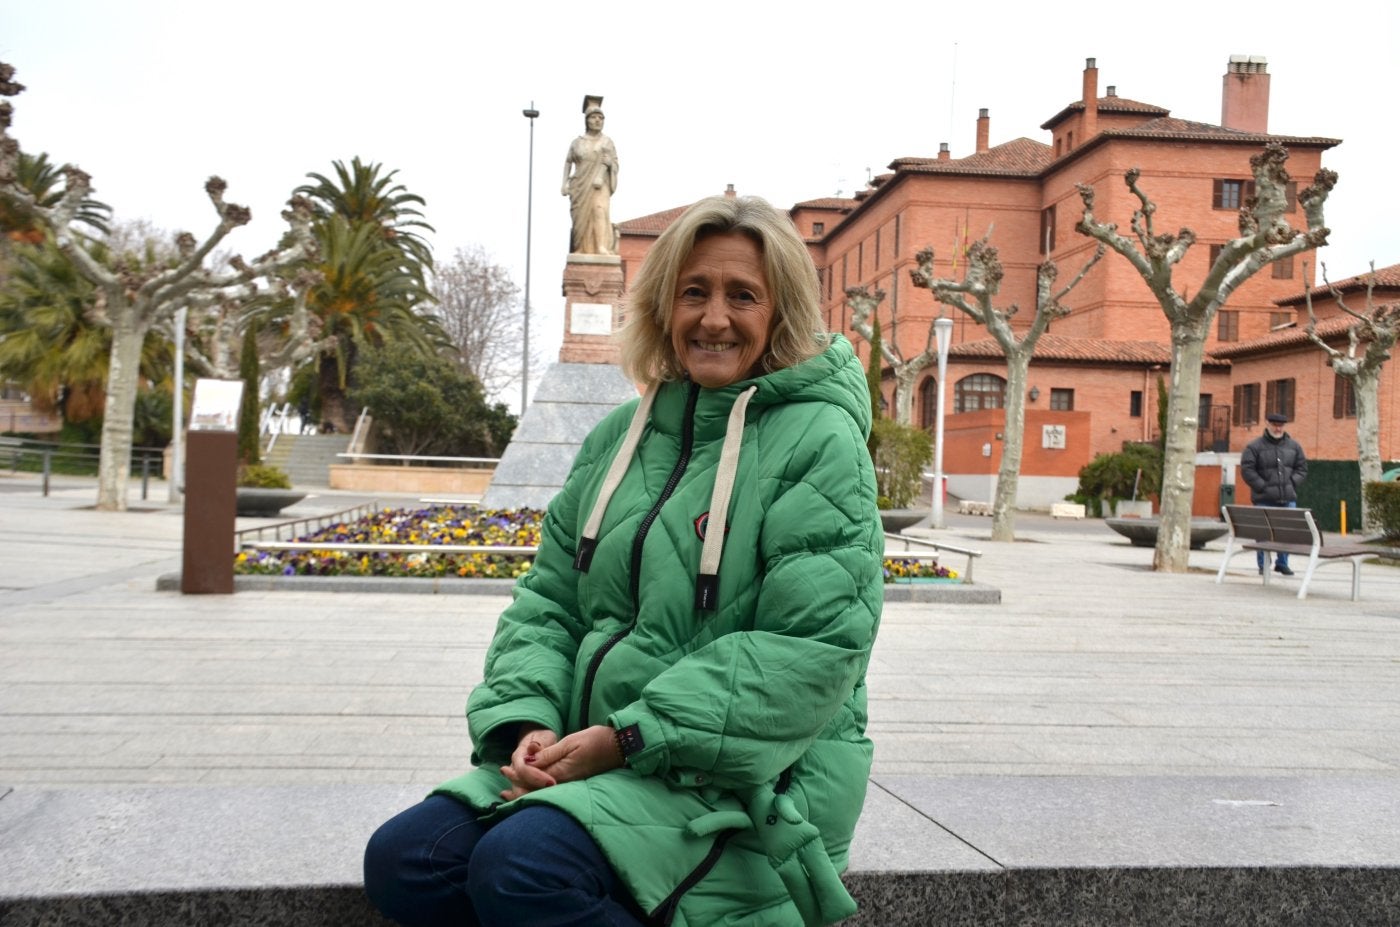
point(435, 864)
point(1281, 560)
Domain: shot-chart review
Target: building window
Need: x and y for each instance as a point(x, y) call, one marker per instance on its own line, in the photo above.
point(1343, 397)
point(1246, 411)
point(1069, 141)
point(877, 249)
point(818, 228)
point(860, 261)
point(1279, 320)
point(1231, 194)
point(1135, 403)
point(1228, 328)
point(1047, 230)
point(897, 217)
point(845, 266)
point(1278, 397)
point(1214, 255)
point(928, 403)
point(1283, 268)
point(1290, 193)
point(979, 391)
point(1062, 400)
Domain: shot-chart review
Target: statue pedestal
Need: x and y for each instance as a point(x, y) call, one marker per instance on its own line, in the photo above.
point(574, 395)
point(592, 292)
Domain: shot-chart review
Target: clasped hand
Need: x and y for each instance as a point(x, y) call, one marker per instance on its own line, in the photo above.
point(542, 759)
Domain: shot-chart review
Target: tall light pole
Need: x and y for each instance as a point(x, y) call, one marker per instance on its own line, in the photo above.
point(943, 329)
point(529, 114)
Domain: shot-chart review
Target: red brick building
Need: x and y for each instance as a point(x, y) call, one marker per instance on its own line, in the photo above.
point(1094, 373)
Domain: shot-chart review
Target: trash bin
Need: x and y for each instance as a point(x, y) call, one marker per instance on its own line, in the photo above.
point(1227, 494)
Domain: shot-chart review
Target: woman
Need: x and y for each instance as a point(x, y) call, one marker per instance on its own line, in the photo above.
point(671, 726)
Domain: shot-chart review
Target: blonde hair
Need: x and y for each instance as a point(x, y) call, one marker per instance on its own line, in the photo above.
point(798, 333)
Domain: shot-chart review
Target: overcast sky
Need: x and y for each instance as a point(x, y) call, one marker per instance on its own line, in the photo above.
point(789, 101)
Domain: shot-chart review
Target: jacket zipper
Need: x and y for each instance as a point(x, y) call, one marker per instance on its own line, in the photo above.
point(687, 443)
point(666, 911)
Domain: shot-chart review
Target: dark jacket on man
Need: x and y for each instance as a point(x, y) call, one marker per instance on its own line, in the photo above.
point(1274, 468)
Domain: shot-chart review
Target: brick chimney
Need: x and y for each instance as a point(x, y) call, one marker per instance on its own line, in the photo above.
point(984, 130)
point(1244, 101)
point(729, 193)
point(1090, 126)
point(943, 153)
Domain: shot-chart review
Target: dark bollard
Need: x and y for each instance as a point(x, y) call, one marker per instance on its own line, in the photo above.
point(48, 455)
point(145, 475)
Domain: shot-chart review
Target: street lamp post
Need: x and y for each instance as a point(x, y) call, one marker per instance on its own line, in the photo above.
point(529, 114)
point(943, 329)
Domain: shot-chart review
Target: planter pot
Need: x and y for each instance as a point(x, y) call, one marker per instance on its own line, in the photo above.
point(1142, 532)
point(265, 503)
point(896, 520)
point(1127, 508)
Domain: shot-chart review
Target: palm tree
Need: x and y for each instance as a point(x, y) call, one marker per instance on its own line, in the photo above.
point(45, 182)
point(361, 195)
point(363, 295)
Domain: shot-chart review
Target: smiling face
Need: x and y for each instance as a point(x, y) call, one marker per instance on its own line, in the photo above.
point(722, 314)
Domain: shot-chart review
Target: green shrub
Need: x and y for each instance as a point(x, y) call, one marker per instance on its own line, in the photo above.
point(262, 476)
point(900, 453)
point(1113, 476)
point(1383, 501)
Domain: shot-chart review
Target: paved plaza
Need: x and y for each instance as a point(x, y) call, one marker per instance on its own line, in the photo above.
point(1094, 684)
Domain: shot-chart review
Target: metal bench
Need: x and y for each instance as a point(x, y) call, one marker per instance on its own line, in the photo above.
point(1291, 531)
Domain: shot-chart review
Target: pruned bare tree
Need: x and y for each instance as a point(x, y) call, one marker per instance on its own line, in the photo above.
point(1370, 337)
point(478, 305)
point(131, 298)
point(973, 296)
point(1265, 236)
point(863, 306)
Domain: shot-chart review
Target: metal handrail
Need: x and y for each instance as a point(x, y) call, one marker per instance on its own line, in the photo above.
point(483, 461)
point(302, 525)
point(936, 545)
point(361, 432)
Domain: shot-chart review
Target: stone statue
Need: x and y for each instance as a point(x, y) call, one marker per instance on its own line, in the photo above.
point(590, 177)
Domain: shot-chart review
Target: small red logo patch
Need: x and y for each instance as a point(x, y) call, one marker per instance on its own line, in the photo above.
point(702, 525)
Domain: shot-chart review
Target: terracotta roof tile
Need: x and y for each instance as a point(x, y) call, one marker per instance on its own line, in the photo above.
point(1114, 104)
point(654, 224)
point(842, 203)
point(1022, 157)
point(1284, 338)
point(1186, 129)
point(1387, 278)
point(1080, 350)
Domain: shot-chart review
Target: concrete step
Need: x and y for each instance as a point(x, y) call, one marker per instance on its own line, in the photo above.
point(961, 851)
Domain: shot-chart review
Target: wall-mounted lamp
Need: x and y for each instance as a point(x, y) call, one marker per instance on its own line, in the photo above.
point(1035, 393)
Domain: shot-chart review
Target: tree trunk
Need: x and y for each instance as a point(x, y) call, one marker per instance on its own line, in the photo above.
point(904, 375)
point(1013, 441)
point(1179, 468)
point(123, 379)
point(334, 406)
point(1366, 385)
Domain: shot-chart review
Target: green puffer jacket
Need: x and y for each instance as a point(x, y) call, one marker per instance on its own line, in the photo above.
point(740, 804)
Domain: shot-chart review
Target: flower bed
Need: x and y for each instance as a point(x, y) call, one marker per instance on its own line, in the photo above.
point(427, 526)
point(451, 525)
